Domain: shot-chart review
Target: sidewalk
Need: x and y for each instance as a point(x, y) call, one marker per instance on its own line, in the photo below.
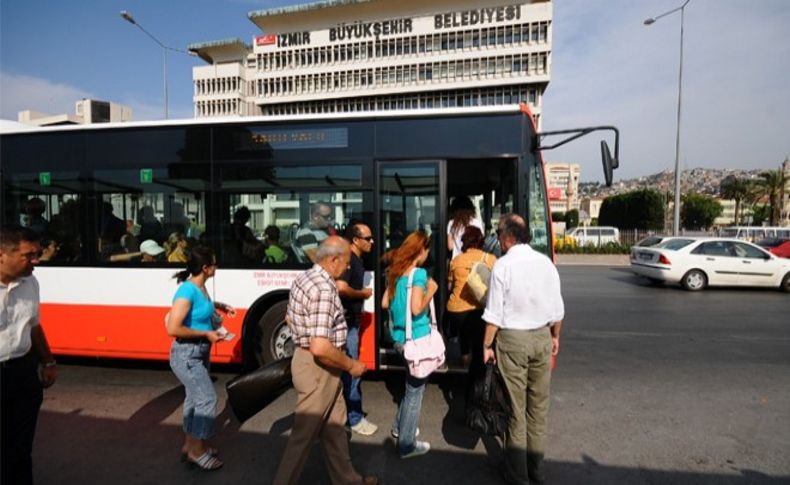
point(593, 259)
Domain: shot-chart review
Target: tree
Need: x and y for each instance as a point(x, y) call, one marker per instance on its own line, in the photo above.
point(572, 218)
point(761, 213)
point(770, 184)
point(640, 209)
point(557, 216)
point(699, 211)
point(737, 189)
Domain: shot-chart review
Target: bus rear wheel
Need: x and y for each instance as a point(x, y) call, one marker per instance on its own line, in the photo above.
point(274, 342)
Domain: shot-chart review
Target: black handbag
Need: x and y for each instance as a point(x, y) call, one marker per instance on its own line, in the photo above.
point(489, 409)
point(249, 393)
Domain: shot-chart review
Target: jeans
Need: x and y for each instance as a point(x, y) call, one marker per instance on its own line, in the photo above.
point(408, 415)
point(352, 391)
point(190, 363)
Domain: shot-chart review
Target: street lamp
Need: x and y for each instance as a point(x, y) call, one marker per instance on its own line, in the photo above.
point(650, 21)
point(128, 17)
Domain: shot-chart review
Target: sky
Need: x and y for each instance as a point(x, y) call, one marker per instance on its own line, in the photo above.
point(607, 69)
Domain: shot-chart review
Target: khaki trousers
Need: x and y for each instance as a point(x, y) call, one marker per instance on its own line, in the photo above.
point(523, 358)
point(320, 414)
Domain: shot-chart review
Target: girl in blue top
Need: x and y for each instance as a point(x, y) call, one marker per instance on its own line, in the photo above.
point(409, 256)
point(190, 323)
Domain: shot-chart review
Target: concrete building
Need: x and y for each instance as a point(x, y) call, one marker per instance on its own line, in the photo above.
point(591, 207)
point(727, 217)
point(562, 180)
point(371, 55)
point(87, 111)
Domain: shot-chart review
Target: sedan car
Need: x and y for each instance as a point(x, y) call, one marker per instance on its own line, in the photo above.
point(696, 263)
point(779, 246)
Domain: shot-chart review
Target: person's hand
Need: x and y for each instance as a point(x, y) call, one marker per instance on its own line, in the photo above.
point(555, 346)
point(357, 368)
point(229, 310)
point(489, 355)
point(48, 375)
point(213, 336)
point(367, 292)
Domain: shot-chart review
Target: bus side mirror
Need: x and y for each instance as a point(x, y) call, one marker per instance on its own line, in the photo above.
point(609, 163)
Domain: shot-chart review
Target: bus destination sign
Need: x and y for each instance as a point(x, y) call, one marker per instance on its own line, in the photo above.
point(294, 139)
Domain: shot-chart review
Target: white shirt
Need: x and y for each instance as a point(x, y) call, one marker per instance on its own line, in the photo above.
point(457, 244)
point(524, 291)
point(19, 301)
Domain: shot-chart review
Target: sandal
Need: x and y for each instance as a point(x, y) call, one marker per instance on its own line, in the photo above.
point(213, 451)
point(206, 462)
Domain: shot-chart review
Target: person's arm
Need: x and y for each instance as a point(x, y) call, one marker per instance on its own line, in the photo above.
point(420, 299)
point(488, 343)
point(329, 355)
point(175, 323)
point(346, 291)
point(556, 327)
point(385, 300)
point(228, 309)
point(39, 340)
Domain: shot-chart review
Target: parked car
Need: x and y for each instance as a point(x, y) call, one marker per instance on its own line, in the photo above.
point(754, 233)
point(696, 263)
point(779, 246)
point(595, 235)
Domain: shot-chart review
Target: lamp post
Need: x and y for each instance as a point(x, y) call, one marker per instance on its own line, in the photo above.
point(676, 212)
point(128, 17)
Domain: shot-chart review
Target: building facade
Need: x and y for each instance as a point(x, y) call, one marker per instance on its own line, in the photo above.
point(372, 55)
point(785, 216)
point(86, 111)
point(562, 180)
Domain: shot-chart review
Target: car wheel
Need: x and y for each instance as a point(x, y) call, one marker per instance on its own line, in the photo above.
point(275, 341)
point(694, 280)
point(786, 283)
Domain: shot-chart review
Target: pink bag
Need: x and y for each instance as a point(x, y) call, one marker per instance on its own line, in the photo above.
point(426, 354)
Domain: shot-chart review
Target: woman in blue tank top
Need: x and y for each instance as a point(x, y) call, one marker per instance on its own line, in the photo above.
point(190, 322)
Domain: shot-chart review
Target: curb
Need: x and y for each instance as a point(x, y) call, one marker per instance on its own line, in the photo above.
point(593, 260)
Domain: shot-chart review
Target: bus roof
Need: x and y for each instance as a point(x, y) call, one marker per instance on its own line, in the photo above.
point(13, 127)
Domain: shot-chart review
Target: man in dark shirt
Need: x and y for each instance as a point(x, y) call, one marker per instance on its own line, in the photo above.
point(353, 293)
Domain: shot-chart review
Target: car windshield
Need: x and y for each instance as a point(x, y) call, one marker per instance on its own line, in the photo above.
point(649, 241)
point(674, 244)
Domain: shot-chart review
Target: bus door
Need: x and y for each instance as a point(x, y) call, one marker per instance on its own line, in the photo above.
point(411, 197)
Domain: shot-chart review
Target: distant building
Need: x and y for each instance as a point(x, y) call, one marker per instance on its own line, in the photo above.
point(591, 207)
point(87, 111)
point(727, 217)
point(364, 55)
point(562, 180)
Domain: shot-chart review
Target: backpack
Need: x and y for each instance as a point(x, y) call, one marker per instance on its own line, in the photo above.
point(477, 281)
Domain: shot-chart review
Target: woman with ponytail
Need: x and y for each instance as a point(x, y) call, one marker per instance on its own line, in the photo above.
point(190, 321)
point(402, 261)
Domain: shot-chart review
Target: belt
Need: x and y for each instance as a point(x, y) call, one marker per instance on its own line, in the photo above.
point(525, 330)
point(192, 340)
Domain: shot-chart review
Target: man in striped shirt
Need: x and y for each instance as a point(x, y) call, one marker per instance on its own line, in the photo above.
point(318, 327)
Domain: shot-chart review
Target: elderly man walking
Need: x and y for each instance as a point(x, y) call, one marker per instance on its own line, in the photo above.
point(318, 328)
point(23, 346)
point(523, 315)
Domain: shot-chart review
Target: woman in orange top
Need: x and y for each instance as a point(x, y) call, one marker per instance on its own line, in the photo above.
point(464, 312)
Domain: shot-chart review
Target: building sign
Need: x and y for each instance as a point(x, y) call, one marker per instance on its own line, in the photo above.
point(368, 30)
point(555, 194)
point(265, 39)
point(479, 16)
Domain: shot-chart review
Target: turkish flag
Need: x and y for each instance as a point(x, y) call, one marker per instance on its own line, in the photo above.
point(265, 39)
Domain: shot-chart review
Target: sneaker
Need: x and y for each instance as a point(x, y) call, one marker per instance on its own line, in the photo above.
point(364, 427)
point(420, 448)
point(394, 433)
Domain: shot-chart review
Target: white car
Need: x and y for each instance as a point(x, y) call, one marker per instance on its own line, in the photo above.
point(699, 262)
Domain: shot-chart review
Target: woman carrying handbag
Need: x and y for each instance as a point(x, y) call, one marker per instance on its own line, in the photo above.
point(404, 265)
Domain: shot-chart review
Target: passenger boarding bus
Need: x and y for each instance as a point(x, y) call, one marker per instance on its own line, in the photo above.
point(247, 187)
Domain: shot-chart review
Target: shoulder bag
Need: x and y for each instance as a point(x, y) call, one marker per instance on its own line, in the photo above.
point(477, 281)
point(426, 354)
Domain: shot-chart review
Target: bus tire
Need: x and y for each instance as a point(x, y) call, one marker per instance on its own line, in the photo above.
point(275, 341)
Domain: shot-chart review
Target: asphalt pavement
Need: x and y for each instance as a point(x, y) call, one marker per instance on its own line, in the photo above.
point(653, 385)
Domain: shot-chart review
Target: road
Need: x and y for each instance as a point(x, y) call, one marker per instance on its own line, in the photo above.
point(653, 385)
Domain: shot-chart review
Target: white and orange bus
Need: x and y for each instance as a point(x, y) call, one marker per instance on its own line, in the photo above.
point(96, 192)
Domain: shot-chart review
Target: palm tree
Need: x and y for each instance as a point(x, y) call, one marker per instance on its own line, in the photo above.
point(771, 184)
point(737, 189)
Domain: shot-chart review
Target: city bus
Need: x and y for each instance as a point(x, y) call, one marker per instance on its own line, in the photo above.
point(98, 193)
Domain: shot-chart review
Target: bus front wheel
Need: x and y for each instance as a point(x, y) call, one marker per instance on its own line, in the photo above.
point(274, 341)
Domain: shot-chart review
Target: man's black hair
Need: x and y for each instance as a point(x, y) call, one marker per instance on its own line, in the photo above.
point(12, 235)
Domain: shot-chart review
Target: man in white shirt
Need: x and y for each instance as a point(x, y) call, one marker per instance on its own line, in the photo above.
point(523, 315)
point(23, 346)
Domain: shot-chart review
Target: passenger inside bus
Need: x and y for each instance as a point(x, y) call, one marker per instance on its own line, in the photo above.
point(274, 253)
point(318, 227)
point(33, 216)
point(462, 215)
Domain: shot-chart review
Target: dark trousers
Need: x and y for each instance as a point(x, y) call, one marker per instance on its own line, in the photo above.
point(471, 329)
point(21, 395)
